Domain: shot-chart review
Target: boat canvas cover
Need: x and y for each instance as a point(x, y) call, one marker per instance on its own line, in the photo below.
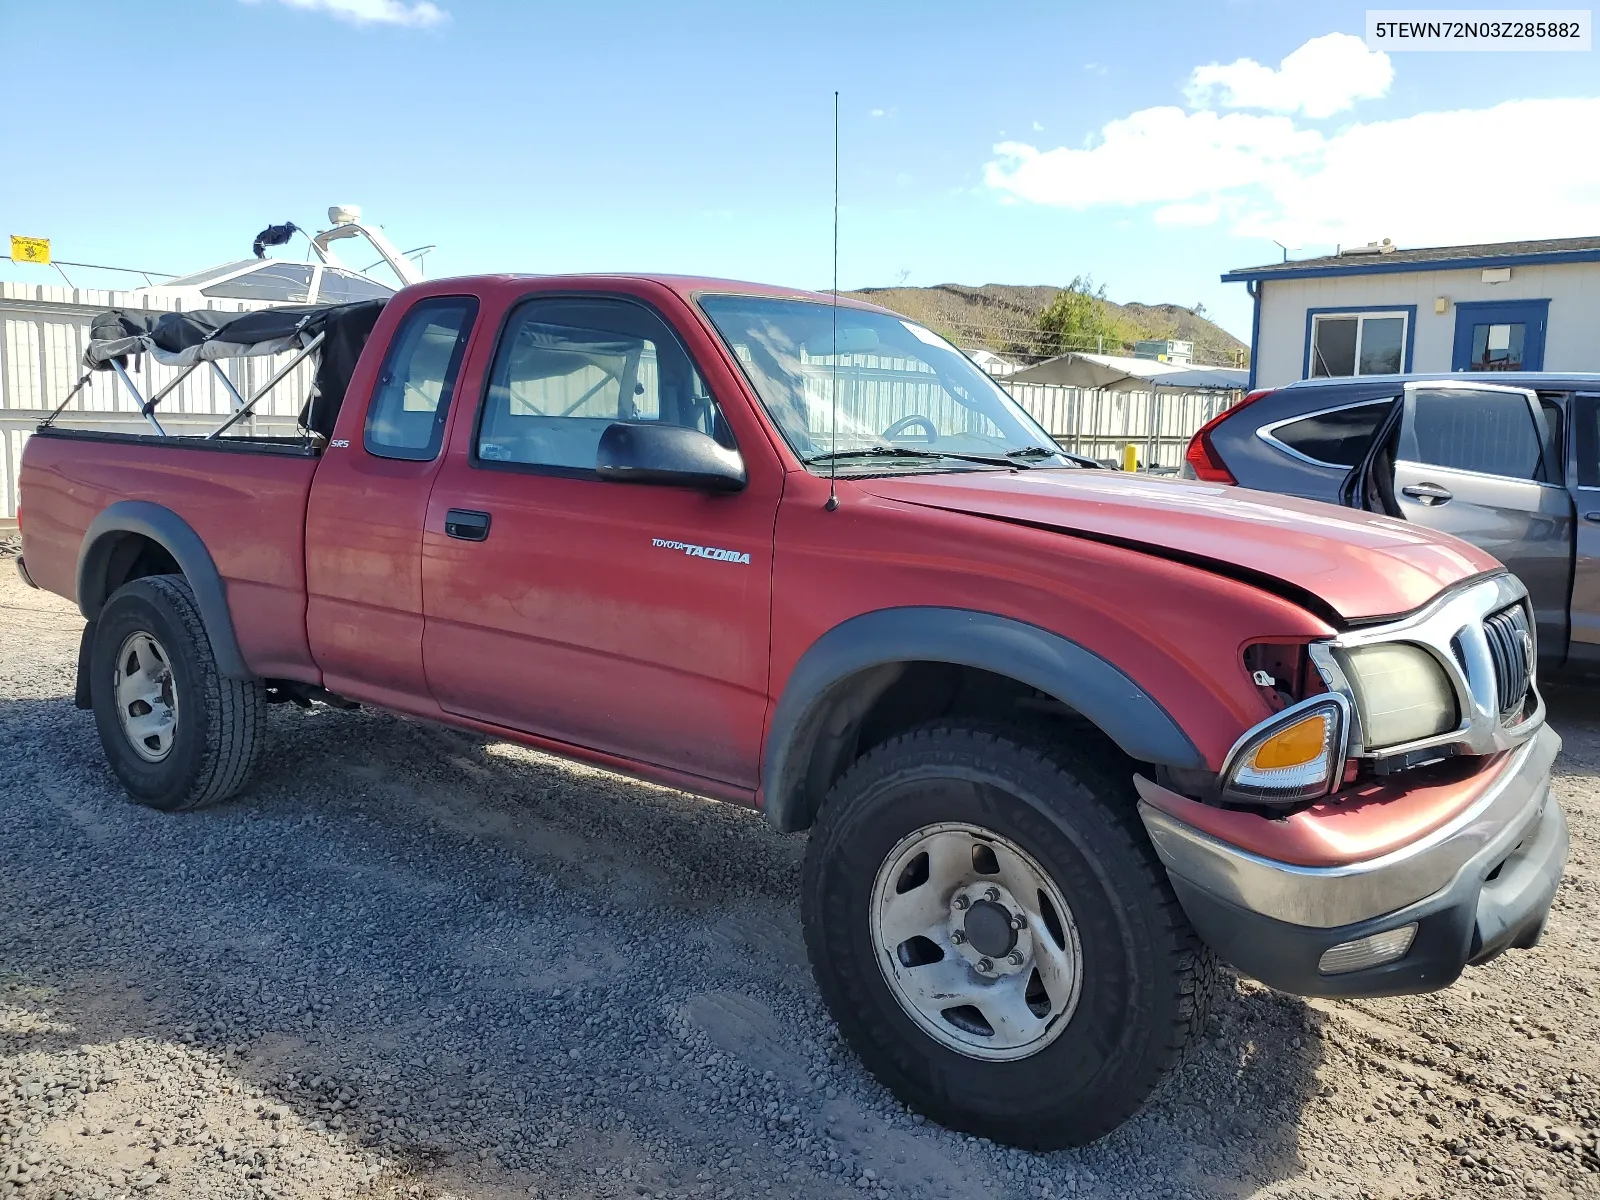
point(180, 339)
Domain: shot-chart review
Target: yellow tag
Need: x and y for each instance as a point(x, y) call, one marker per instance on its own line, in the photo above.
point(29, 249)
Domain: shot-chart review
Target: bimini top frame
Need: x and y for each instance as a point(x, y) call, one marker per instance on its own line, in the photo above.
point(334, 334)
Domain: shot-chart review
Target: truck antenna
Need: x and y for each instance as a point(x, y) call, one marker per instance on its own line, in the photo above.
point(833, 367)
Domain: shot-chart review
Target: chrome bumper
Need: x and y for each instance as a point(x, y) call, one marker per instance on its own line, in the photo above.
point(1327, 897)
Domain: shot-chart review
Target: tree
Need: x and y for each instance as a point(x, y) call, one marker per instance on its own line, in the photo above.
point(1077, 319)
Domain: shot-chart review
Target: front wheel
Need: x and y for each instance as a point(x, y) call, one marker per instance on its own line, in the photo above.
point(177, 733)
point(995, 937)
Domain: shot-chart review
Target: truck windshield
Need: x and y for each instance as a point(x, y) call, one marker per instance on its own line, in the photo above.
point(906, 398)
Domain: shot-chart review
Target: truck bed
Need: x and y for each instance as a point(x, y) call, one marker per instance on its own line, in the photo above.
point(250, 514)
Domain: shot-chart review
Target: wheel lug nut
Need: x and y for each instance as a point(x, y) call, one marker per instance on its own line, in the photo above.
point(985, 965)
point(1016, 958)
point(992, 894)
point(1016, 921)
point(957, 936)
point(962, 902)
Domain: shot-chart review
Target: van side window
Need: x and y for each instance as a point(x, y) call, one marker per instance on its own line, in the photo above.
point(1586, 436)
point(1489, 432)
point(412, 398)
point(1554, 468)
point(1338, 437)
point(566, 369)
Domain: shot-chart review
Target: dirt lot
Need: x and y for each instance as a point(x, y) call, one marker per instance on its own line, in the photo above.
point(412, 962)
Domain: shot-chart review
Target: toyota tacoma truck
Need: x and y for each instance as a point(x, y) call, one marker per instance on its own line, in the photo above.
point(1060, 736)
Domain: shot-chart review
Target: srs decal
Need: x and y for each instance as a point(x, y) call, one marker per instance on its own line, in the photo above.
point(712, 552)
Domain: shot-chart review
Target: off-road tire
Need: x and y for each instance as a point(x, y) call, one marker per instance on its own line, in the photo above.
point(1146, 980)
point(221, 724)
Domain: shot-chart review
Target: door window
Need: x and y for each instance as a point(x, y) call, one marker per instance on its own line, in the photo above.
point(1497, 347)
point(1490, 432)
point(1357, 344)
point(412, 399)
point(1336, 438)
point(566, 369)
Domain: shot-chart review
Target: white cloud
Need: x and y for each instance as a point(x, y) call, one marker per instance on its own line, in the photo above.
point(1268, 175)
point(1327, 75)
point(1157, 154)
point(420, 14)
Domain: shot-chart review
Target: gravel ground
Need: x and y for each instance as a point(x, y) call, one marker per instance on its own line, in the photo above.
point(414, 962)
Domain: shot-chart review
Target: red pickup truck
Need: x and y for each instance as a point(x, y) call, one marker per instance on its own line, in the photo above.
point(1059, 734)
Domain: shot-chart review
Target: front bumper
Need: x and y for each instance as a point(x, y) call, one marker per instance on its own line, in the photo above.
point(1478, 885)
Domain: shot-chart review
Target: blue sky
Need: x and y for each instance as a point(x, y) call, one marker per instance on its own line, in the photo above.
point(1022, 143)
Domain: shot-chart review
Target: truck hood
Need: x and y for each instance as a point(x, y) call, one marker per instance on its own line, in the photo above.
point(1342, 564)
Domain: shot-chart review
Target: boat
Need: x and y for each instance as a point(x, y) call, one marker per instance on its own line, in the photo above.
point(321, 279)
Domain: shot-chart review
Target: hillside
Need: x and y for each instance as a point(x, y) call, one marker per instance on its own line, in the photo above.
point(1003, 317)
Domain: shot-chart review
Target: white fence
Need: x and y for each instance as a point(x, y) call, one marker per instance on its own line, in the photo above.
point(1100, 423)
point(45, 330)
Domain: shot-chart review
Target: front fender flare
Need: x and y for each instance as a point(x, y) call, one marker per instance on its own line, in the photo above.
point(170, 531)
point(1054, 665)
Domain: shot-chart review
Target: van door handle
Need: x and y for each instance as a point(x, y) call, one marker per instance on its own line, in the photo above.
point(466, 524)
point(1428, 493)
point(1593, 518)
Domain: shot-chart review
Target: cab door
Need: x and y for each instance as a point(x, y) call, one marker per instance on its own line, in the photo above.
point(1482, 462)
point(365, 515)
point(627, 618)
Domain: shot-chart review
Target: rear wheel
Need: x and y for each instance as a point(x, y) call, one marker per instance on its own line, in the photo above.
point(176, 732)
point(995, 937)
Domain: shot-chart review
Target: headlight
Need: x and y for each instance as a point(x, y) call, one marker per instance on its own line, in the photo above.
point(1296, 756)
point(1401, 694)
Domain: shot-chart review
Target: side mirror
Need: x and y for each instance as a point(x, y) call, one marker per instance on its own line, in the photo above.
point(645, 452)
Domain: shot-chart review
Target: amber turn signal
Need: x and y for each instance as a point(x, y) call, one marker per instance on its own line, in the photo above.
point(1295, 756)
point(1303, 742)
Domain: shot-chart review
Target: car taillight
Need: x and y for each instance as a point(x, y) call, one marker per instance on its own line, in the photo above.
point(1202, 456)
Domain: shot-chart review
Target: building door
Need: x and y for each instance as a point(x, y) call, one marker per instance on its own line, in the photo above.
point(1481, 462)
point(1500, 335)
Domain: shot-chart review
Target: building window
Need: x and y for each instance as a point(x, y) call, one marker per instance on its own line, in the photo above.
point(1357, 343)
point(1497, 347)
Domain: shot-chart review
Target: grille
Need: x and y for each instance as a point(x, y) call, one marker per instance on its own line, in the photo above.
point(1511, 648)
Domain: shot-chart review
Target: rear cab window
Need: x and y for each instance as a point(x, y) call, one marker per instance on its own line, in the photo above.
point(412, 397)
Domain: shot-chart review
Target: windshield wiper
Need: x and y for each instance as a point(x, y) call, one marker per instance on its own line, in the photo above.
point(1047, 452)
point(914, 452)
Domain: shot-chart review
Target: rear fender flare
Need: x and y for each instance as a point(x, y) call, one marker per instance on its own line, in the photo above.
point(170, 531)
point(867, 650)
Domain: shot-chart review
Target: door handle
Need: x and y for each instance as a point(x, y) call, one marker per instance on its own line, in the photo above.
point(1592, 517)
point(1428, 493)
point(466, 524)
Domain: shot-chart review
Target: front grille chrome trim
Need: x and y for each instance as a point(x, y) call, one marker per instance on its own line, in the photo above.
point(1510, 640)
point(1476, 633)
